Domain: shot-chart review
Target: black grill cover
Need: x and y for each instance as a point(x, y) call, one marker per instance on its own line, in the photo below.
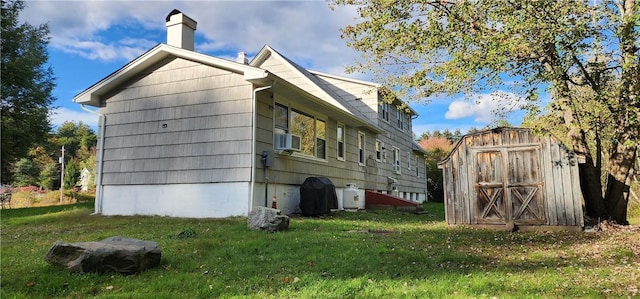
point(317, 196)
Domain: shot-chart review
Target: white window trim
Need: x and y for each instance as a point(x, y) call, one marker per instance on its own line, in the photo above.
point(362, 159)
point(396, 163)
point(315, 132)
point(400, 119)
point(382, 110)
point(379, 148)
point(344, 144)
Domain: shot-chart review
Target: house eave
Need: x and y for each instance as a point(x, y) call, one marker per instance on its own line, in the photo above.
point(92, 96)
point(376, 86)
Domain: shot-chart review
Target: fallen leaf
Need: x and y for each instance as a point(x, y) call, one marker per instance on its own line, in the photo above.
point(286, 279)
point(296, 279)
point(109, 288)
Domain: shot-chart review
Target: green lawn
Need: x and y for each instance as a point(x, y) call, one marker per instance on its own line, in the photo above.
point(372, 254)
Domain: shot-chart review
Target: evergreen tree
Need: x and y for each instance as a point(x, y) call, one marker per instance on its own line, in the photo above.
point(26, 173)
point(27, 83)
point(78, 139)
point(49, 176)
point(71, 174)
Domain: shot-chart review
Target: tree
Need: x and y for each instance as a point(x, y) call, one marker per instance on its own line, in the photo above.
point(49, 176)
point(425, 48)
point(437, 148)
point(27, 84)
point(26, 173)
point(78, 139)
point(71, 174)
point(40, 156)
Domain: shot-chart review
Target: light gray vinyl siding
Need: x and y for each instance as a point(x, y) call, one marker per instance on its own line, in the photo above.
point(288, 73)
point(294, 169)
point(361, 100)
point(366, 99)
point(180, 122)
point(362, 97)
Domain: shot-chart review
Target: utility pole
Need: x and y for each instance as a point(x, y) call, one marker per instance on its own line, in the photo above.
point(62, 175)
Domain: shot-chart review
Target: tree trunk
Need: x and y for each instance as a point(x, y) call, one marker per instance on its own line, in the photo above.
point(590, 182)
point(624, 153)
point(621, 169)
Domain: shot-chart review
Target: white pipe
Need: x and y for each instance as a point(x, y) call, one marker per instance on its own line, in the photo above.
point(102, 119)
point(254, 116)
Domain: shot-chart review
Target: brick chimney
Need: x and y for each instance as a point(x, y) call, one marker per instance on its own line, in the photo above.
point(180, 30)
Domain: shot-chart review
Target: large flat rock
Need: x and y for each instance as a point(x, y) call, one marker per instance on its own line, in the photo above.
point(114, 254)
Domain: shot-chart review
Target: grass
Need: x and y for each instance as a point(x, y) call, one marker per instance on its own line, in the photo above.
point(31, 198)
point(372, 254)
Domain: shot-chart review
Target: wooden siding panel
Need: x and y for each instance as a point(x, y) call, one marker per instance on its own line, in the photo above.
point(533, 161)
point(577, 194)
point(547, 164)
point(558, 185)
point(449, 193)
point(567, 189)
point(468, 171)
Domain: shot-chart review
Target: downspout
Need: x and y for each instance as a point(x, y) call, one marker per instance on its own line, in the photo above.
point(102, 119)
point(253, 143)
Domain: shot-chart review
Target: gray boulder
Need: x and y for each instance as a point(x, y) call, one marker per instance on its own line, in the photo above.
point(115, 254)
point(268, 219)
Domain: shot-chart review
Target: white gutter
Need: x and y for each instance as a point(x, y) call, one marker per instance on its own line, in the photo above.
point(253, 143)
point(102, 119)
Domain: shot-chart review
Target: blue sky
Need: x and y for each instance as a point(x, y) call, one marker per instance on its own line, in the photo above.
point(92, 39)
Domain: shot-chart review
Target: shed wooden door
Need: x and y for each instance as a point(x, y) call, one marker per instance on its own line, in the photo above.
point(508, 186)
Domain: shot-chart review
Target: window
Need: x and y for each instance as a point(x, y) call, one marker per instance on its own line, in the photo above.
point(321, 139)
point(379, 147)
point(340, 137)
point(361, 148)
point(312, 131)
point(408, 160)
point(417, 168)
point(384, 110)
point(396, 160)
point(400, 117)
point(281, 119)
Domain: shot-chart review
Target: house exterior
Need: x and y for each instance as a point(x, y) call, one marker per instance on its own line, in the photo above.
point(190, 135)
point(511, 176)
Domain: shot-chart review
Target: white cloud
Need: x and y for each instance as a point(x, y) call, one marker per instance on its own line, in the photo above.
point(62, 115)
point(305, 31)
point(485, 107)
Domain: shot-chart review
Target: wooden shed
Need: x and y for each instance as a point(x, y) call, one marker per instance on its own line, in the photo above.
point(511, 176)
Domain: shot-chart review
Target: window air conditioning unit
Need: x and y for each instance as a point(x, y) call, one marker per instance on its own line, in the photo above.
point(286, 142)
